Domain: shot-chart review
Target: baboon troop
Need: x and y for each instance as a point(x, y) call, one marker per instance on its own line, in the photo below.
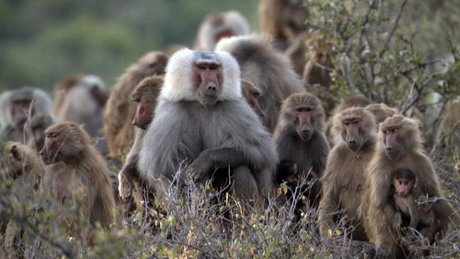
point(236, 114)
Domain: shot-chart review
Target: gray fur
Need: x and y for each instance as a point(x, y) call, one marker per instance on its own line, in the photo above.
point(267, 69)
point(182, 130)
point(42, 104)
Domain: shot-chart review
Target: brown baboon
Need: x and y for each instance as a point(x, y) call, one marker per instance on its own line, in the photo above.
point(36, 127)
point(130, 183)
point(251, 93)
point(399, 146)
point(347, 102)
point(81, 99)
point(265, 68)
point(381, 111)
point(450, 127)
point(317, 69)
point(299, 138)
point(17, 106)
point(23, 165)
point(217, 26)
point(355, 130)
point(120, 110)
point(405, 195)
point(74, 165)
point(203, 129)
point(285, 22)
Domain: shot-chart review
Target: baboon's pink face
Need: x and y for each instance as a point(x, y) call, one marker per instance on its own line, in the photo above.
point(207, 78)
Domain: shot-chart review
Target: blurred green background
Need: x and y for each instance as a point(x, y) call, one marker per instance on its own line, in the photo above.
point(41, 41)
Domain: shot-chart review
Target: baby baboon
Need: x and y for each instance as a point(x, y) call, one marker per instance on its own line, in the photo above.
point(130, 182)
point(265, 68)
point(399, 146)
point(405, 197)
point(354, 130)
point(204, 130)
point(299, 138)
point(75, 165)
point(17, 106)
point(217, 26)
point(119, 110)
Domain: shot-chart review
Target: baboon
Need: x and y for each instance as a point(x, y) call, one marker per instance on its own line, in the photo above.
point(204, 130)
point(405, 195)
point(381, 111)
point(345, 103)
point(299, 138)
point(399, 146)
point(450, 126)
point(355, 131)
point(119, 109)
point(36, 127)
point(265, 68)
point(317, 69)
point(74, 165)
point(17, 106)
point(130, 183)
point(81, 99)
point(285, 22)
point(23, 165)
point(251, 93)
point(217, 26)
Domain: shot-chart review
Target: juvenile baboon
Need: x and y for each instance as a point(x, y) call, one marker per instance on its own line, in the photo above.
point(405, 195)
point(285, 22)
point(36, 127)
point(217, 26)
point(319, 66)
point(204, 130)
point(130, 183)
point(354, 130)
point(23, 165)
point(381, 111)
point(251, 93)
point(74, 165)
point(82, 102)
point(399, 146)
point(119, 110)
point(265, 68)
point(17, 106)
point(299, 138)
point(450, 126)
point(345, 103)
